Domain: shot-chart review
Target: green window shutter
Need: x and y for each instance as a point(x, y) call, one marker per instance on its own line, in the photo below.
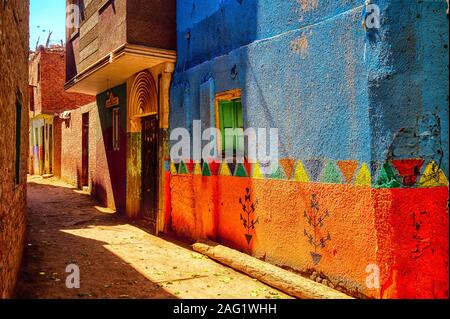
point(239, 143)
point(230, 116)
point(239, 117)
point(227, 120)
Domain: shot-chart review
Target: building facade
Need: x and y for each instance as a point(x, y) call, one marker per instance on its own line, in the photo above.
point(13, 139)
point(359, 198)
point(48, 100)
point(123, 52)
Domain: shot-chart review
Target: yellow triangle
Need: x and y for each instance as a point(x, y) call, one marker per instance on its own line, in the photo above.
point(224, 169)
point(197, 169)
point(363, 178)
point(300, 173)
point(433, 176)
point(173, 169)
point(257, 174)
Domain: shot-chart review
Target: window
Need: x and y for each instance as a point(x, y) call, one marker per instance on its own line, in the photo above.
point(231, 122)
point(116, 129)
point(18, 137)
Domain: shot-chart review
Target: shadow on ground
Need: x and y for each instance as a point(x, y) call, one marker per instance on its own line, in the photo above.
point(117, 258)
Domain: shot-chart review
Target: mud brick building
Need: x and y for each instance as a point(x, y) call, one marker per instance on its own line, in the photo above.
point(361, 189)
point(71, 130)
point(48, 100)
point(123, 52)
point(13, 138)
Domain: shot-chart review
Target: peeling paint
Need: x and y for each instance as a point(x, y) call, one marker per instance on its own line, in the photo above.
point(362, 124)
point(300, 46)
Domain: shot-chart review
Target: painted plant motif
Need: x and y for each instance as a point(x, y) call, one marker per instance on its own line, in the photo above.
point(316, 220)
point(421, 235)
point(248, 215)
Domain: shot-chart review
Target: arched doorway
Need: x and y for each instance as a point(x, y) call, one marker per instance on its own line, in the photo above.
point(142, 154)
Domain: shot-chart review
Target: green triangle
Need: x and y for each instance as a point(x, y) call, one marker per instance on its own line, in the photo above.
point(278, 174)
point(240, 170)
point(331, 174)
point(206, 171)
point(183, 168)
point(386, 178)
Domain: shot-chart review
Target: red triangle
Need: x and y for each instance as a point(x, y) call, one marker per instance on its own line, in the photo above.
point(214, 167)
point(409, 170)
point(248, 167)
point(190, 165)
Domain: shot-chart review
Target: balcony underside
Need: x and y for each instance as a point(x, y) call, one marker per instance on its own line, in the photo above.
point(115, 68)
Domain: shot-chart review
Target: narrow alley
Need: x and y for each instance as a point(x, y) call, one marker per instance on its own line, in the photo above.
point(156, 149)
point(117, 259)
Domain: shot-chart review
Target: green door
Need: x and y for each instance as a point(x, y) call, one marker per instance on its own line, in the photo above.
point(230, 115)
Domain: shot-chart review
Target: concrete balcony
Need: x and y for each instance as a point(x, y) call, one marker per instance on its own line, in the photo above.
point(116, 39)
point(116, 67)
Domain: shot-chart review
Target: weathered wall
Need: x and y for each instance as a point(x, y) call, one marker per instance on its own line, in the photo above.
point(13, 89)
point(106, 166)
point(57, 146)
point(71, 144)
point(401, 230)
point(49, 94)
point(47, 78)
point(151, 23)
point(109, 184)
point(107, 25)
point(363, 125)
point(112, 20)
point(407, 77)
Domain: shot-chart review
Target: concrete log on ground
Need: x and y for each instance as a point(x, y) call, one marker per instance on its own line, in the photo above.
point(286, 281)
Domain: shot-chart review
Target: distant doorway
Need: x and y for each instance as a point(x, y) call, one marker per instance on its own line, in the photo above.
point(150, 125)
point(85, 152)
point(50, 149)
point(42, 151)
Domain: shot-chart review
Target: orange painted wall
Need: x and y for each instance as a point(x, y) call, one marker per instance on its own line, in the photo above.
point(366, 226)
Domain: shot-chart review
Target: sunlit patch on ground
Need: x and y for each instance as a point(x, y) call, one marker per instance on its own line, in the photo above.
point(117, 259)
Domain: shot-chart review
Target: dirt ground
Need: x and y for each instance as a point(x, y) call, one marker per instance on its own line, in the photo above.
point(116, 258)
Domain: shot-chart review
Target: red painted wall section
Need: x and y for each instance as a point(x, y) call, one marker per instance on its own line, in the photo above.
point(167, 202)
point(417, 246)
point(335, 230)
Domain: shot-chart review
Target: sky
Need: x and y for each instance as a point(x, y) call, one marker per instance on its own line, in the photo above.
point(45, 16)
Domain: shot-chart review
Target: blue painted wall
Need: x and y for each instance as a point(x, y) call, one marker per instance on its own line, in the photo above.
point(310, 69)
point(408, 82)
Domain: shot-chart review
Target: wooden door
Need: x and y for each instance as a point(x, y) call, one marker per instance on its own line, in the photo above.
point(150, 169)
point(85, 151)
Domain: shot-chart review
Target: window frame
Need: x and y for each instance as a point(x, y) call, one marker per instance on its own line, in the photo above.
point(230, 95)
